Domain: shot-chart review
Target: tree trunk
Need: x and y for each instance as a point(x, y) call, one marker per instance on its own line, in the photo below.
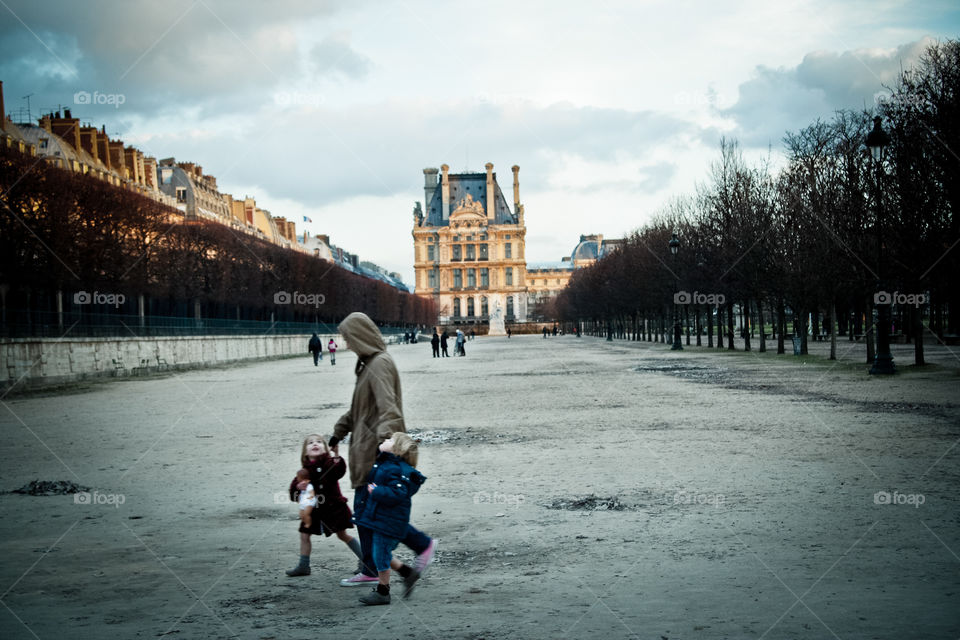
point(833, 330)
point(869, 331)
point(917, 313)
point(747, 327)
point(763, 326)
point(730, 320)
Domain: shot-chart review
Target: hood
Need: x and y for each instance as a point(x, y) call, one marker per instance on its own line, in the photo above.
point(362, 335)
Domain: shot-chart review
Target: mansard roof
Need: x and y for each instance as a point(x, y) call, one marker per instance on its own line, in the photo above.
point(462, 184)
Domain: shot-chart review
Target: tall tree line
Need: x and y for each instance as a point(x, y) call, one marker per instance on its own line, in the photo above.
point(802, 242)
point(63, 233)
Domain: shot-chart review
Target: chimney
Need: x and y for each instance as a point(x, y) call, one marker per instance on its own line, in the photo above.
point(445, 190)
point(429, 187)
point(516, 187)
point(490, 191)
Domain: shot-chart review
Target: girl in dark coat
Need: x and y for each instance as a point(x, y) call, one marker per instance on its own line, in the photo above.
point(435, 344)
point(331, 515)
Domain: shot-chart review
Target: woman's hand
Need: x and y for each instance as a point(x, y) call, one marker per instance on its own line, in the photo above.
point(302, 485)
point(371, 487)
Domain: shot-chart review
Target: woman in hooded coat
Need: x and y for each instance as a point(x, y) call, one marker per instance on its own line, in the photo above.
point(376, 412)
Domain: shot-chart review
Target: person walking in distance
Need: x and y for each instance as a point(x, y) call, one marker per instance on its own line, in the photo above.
point(315, 346)
point(435, 344)
point(443, 343)
point(332, 348)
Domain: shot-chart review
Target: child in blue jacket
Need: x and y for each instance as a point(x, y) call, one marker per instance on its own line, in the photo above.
point(390, 485)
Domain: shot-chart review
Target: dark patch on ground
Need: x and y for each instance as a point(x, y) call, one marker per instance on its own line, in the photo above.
point(50, 488)
point(590, 503)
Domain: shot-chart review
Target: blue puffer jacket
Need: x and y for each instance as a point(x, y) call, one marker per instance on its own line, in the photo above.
point(387, 509)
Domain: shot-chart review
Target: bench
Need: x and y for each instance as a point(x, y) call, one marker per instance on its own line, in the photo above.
point(162, 363)
point(118, 367)
point(143, 367)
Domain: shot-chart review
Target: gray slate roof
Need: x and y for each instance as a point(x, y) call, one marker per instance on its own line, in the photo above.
point(460, 185)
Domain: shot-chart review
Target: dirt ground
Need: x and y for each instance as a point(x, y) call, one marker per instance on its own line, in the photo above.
point(577, 488)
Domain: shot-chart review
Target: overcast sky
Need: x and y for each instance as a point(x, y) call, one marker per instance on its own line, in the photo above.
point(332, 109)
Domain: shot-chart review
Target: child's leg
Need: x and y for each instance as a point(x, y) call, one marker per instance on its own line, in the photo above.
point(303, 567)
point(305, 546)
point(353, 543)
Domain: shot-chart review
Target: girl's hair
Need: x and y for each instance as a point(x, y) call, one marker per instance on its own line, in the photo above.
point(405, 448)
point(303, 449)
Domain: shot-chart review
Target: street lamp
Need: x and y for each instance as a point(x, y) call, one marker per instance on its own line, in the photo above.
point(674, 247)
point(877, 141)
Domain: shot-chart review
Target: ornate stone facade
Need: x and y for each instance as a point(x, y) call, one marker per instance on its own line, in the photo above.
point(469, 247)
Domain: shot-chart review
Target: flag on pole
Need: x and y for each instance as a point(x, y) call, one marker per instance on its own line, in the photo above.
point(306, 219)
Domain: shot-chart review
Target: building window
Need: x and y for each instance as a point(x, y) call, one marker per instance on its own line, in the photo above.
point(456, 307)
point(457, 279)
point(483, 252)
point(484, 278)
point(509, 276)
point(509, 306)
point(508, 250)
point(507, 237)
point(471, 278)
point(456, 253)
point(484, 307)
point(471, 252)
point(432, 275)
point(181, 194)
point(470, 307)
point(431, 252)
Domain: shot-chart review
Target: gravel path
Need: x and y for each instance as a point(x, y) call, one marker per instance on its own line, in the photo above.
point(578, 488)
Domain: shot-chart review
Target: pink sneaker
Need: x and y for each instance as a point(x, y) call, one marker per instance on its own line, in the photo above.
point(425, 558)
point(357, 581)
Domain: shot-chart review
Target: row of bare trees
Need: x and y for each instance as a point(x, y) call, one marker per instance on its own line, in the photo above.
point(63, 234)
point(803, 242)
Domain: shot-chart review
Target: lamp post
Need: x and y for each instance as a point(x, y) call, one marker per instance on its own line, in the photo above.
point(877, 141)
point(674, 247)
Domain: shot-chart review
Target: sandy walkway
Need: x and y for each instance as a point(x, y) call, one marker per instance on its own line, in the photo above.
point(578, 488)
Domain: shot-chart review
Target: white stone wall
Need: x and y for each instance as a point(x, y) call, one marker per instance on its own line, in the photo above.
point(30, 362)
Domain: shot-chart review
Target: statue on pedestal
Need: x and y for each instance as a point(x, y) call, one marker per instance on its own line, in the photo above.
point(496, 322)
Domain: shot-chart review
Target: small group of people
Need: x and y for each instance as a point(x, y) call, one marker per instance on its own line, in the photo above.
point(315, 346)
point(383, 474)
point(410, 337)
point(556, 330)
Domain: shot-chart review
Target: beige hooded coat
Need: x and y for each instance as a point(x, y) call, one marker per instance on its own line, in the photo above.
point(377, 407)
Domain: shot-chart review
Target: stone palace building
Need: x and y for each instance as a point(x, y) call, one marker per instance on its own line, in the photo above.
point(469, 251)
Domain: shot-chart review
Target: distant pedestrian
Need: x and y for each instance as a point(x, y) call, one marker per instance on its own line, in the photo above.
point(332, 348)
point(435, 344)
point(508, 333)
point(473, 334)
point(461, 341)
point(555, 330)
point(443, 343)
point(544, 333)
point(315, 346)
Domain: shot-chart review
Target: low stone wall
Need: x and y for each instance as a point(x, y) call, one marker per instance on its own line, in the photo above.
point(33, 362)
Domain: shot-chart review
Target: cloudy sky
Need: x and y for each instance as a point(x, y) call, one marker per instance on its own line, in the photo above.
point(332, 109)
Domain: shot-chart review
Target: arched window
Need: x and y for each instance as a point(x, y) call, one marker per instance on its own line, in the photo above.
point(456, 307)
point(484, 308)
point(509, 306)
point(470, 307)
